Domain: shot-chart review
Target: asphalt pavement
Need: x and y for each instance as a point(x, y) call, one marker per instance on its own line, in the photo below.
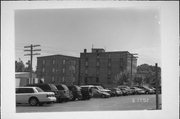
point(132, 102)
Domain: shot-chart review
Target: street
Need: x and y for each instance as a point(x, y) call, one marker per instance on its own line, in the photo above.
point(132, 102)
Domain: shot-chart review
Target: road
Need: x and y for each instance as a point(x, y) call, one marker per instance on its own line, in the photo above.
point(133, 102)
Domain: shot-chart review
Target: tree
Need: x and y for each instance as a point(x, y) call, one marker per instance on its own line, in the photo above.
point(149, 74)
point(19, 66)
point(138, 80)
point(121, 78)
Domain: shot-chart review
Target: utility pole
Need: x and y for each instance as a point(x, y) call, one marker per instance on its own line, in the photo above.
point(157, 100)
point(132, 57)
point(31, 50)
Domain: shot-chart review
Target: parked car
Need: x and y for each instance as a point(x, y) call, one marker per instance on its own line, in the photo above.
point(47, 88)
point(100, 88)
point(76, 92)
point(101, 94)
point(33, 96)
point(147, 89)
point(127, 90)
point(116, 92)
point(86, 92)
point(133, 90)
point(138, 90)
point(63, 92)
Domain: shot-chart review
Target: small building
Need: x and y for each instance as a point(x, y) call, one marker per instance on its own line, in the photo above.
point(23, 78)
point(101, 67)
point(58, 69)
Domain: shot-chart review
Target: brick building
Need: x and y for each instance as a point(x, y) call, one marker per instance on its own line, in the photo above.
point(58, 69)
point(100, 67)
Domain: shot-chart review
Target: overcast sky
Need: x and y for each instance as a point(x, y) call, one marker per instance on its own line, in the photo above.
point(69, 31)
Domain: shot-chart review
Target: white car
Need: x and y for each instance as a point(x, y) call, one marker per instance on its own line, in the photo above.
point(33, 96)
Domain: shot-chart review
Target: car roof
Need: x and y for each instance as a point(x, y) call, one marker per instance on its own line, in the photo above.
point(26, 87)
point(87, 86)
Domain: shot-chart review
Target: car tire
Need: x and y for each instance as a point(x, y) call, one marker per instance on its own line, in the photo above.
point(33, 101)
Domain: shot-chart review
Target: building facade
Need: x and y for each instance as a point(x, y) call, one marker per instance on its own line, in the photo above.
point(58, 69)
point(100, 67)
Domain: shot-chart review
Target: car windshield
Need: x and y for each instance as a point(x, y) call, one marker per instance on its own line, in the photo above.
point(53, 87)
point(39, 89)
point(65, 87)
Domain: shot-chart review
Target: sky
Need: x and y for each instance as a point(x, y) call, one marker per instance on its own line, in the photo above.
point(70, 31)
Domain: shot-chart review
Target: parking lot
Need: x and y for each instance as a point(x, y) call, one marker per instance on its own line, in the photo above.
point(131, 102)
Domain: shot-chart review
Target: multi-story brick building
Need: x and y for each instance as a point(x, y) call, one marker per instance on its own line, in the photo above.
point(58, 69)
point(100, 67)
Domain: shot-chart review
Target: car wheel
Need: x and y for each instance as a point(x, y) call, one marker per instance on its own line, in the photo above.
point(33, 101)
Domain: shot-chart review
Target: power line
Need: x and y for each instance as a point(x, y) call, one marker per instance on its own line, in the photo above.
point(31, 50)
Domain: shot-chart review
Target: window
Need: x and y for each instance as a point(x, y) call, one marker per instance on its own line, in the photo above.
point(97, 79)
point(86, 63)
point(39, 89)
point(53, 61)
point(62, 79)
point(109, 64)
point(121, 61)
point(98, 56)
point(97, 72)
point(24, 90)
point(64, 61)
point(53, 79)
point(63, 70)
point(44, 62)
point(85, 80)
point(53, 70)
point(43, 70)
point(97, 64)
point(86, 71)
point(109, 56)
point(109, 72)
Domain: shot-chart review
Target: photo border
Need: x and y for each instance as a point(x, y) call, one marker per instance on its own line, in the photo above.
point(169, 12)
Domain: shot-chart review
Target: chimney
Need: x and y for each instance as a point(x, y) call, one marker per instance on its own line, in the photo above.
point(85, 50)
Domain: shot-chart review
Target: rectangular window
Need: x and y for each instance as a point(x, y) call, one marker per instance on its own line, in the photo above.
point(97, 64)
point(86, 71)
point(64, 61)
point(63, 70)
point(97, 79)
point(86, 63)
point(44, 62)
point(43, 69)
point(109, 72)
point(53, 61)
point(121, 61)
point(53, 70)
point(97, 72)
point(53, 79)
point(63, 79)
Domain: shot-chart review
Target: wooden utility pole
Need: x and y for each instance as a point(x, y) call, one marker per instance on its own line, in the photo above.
point(157, 99)
point(31, 50)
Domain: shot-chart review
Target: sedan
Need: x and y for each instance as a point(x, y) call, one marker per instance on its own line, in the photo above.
point(33, 96)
